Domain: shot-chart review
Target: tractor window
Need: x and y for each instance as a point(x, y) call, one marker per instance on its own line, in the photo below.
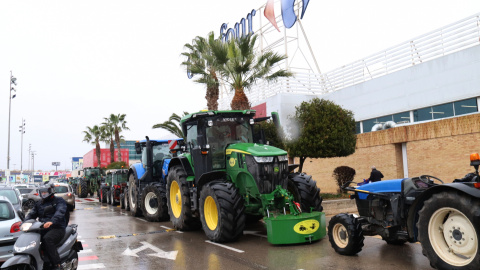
point(192, 136)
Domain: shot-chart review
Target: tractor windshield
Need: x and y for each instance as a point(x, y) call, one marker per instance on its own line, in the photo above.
point(92, 173)
point(119, 178)
point(225, 131)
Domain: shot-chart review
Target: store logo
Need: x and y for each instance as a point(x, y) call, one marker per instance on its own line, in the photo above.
point(288, 12)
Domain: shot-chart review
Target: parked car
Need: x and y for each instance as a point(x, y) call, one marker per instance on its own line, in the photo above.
point(13, 195)
point(10, 221)
point(65, 191)
point(30, 197)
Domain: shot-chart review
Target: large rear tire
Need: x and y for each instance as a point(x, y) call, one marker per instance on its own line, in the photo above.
point(103, 195)
point(83, 189)
point(109, 196)
point(114, 193)
point(178, 201)
point(448, 227)
point(154, 203)
point(125, 197)
point(345, 234)
point(122, 201)
point(132, 197)
point(305, 191)
point(222, 212)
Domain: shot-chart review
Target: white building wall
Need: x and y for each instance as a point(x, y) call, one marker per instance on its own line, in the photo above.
point(442, 80)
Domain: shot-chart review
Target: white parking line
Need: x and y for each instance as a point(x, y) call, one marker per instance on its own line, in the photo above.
point(223, 246)
point(86, 251)
point(91, 266)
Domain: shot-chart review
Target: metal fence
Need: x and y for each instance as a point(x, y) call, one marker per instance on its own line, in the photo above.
point(452, 38)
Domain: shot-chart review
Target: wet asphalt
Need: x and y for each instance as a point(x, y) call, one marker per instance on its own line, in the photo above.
point(113, 239)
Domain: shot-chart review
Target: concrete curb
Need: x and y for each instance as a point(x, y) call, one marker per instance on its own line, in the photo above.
point(333, 207)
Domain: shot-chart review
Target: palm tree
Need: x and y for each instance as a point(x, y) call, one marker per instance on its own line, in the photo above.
point(201, 62)
point(172, 125)
point(243, 68)
point(93, 135)
point(119, 124)
point(108, 132)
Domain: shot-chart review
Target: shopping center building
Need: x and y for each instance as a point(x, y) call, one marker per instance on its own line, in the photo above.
point(416, 104)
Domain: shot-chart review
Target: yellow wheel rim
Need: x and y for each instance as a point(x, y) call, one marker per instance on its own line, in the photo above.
point(211, 213)
point(175, 199)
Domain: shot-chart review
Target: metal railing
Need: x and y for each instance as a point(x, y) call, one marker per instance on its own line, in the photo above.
point(452, 38)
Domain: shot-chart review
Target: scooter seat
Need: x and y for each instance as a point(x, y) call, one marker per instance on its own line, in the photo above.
point(68, 232)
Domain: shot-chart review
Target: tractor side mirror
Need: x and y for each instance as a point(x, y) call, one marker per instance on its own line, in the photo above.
point(138, 148)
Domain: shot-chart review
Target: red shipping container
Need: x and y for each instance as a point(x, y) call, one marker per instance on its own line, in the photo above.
point(90, 158)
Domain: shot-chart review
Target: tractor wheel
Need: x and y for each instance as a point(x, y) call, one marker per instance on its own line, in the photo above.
point(448, 231)
point(345, 234)
point(178, 200)
point(222, 212)
point(305, 191)
point(154, 203)
point(125, 197)
point(109, 196)
point(114, 194)
point(132, 197)
point(103, 195)
point(122, 202)
point(83, 189)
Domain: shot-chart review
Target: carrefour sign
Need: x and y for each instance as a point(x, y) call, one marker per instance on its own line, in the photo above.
point(288, 16)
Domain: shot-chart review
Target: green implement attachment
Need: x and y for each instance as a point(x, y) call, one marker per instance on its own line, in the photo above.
point(291, 226)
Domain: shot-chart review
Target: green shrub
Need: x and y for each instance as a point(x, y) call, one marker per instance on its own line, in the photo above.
point(342, 175)
point(117, 165)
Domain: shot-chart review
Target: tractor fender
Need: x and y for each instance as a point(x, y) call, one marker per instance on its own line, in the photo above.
point(418, 204)
point(209, 177)
point(182, 161)
point(137, 169)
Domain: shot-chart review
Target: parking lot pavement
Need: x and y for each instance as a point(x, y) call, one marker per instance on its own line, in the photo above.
point(115, 240)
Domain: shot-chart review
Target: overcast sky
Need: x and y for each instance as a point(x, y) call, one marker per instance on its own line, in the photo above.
point(77, 62)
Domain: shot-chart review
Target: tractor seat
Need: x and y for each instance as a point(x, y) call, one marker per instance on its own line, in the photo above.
point(68, 232)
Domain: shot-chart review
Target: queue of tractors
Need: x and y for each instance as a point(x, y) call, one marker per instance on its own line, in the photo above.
point(224, 173)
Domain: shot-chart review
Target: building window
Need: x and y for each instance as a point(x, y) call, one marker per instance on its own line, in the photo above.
point(401, 118)
point(368, 124)
point(442, 111)
point(357, 128)
point(422, 114)
point(465, 106)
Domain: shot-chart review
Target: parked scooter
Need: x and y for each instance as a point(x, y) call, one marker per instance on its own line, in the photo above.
point(29, 255)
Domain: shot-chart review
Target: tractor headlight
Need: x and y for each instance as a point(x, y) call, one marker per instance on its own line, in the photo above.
point(22, 249)
point(263, 159)
point(283, 158)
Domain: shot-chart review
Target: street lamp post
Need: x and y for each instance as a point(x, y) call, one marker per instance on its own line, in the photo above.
point(33, 164)
point(13, 80)
point(22, 131)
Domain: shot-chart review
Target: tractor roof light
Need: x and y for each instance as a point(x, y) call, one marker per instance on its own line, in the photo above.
point(474, 159)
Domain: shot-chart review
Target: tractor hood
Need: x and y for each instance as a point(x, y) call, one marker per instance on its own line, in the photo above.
point(254, 149)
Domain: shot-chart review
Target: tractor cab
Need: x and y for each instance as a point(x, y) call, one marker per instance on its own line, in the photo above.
point(120, 178)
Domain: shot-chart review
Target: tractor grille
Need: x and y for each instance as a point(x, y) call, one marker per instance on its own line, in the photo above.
point(265, 174)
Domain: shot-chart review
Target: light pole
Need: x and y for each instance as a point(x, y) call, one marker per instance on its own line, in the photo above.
point(22, 131)
point(33, 164)
point(13, 80)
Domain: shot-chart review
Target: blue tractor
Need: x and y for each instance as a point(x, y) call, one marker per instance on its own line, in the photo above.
point(444, 218)
point(146, 180)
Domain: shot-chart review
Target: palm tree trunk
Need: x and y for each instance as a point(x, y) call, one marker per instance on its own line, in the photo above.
point(212, 93)
point(112, 151)
point(97, 148)
point(240, 100)
point(117, 140)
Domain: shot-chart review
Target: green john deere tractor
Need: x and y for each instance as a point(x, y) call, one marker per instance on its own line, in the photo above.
point(225, 177)
point(90, 182)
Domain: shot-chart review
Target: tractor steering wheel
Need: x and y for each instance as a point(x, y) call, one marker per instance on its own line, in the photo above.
point(428, 179)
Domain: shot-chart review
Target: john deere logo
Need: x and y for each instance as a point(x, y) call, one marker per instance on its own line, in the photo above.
point(276, 169)
point(231, 162)
point(307, 226)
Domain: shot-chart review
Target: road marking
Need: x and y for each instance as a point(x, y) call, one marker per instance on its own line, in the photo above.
point(223, 246)
point(170, 255)
point(141, 219)
point(106, 237)
point(91, 266)
point(85, 250)
point(87, 258)
point(170, 229)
